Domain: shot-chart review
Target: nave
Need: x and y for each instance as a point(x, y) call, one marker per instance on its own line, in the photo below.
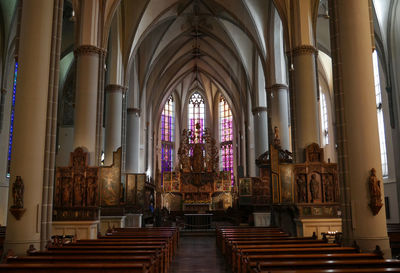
point(198, 254)
point(233, 249)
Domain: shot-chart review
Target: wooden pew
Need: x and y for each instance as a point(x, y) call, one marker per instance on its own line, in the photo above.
point(148, 261)
point(352, 270)
point(2, 238)
point(327, 264)
point(144, 250)
point(251, 261)
point(74, 267)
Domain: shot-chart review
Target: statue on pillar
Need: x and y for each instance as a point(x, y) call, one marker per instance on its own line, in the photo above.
point(277, 139)
point(375, 192)
point(18, 193)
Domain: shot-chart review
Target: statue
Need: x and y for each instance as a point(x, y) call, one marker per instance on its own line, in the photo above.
point(301, 189)
point(18, 193)
point(329, 189)
point(314, 188)
point(277, 139)
point(183, 152)
point(375, 192)
point(66, 200)
point(78, 191)
point(92, 190)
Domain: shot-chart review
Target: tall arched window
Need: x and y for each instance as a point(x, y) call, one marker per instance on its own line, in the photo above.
point(381, 125)
point(324, 118)
point(226, 136)
point(10, 139)
point(196, 113)
point(167, 135)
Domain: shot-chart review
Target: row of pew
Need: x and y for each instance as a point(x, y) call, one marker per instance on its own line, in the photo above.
point(268, 249)
point(133, 250)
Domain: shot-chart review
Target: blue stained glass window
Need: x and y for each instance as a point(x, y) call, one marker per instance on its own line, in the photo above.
point(167, 135)
point(12, 120)
point(226, 136)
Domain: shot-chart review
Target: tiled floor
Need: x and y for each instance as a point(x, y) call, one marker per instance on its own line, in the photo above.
point(198, 254)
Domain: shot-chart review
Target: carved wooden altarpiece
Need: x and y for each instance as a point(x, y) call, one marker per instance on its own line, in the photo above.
point(76, 195)
point(312, 186)
point(197, 181)
point(316, 185)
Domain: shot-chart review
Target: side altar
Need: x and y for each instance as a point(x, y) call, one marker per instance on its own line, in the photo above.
point(197, 184)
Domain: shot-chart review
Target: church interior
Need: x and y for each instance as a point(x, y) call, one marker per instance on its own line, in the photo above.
point(265, 134)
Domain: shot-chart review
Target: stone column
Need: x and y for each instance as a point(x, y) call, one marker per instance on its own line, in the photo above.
point(278, 96)
point(132, 140)
point(260, 130)
point(304, 80)
point(27, 158)
point(87, 73)
point(113, 121)
point(357, 126)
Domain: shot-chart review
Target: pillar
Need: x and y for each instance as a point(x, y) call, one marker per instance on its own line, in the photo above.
point(357, 126)
point(113, 121)
point(86, 98)
point(260, 130)
point(132, 140)
point(27, 158)
point(278, 96)
point(306, 130)
point(89, 81)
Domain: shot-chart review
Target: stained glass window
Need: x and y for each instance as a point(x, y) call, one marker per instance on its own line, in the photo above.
point(167, 135)
point(12, 120)
point(381, 125)
point(226, 136)
point(324, 119)
point(196, 114)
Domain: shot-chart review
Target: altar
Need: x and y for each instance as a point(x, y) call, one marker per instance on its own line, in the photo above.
point(198, 221)
point(197, 185)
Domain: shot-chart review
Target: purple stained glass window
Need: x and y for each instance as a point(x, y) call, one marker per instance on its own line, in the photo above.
point(167, 135)
point(226, 136)
point(196, 114)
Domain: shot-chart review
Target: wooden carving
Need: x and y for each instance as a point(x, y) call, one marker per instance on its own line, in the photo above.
point(375, 192)
point(18, 193)
point(314, 153)
point(17, 209)
point(76, 189)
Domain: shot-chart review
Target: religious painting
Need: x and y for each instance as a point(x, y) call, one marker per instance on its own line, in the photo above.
point(274, 159)
point(226, 181)
point(167, 180)
point(286, 182)
point(275, 188)
point(110, 182)
point(140, 190)
point(218, 185)
point(245, 187)
point(110, 187)
point(315, 189)
point(130, 189)
point(175, 186)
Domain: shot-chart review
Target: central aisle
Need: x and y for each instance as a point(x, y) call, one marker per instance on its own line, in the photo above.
point(197, 254)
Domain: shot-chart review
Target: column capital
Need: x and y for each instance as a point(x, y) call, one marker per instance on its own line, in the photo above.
point(133, 111)
point(259, 109)
point(303, 50)
point(83, 50)
point(276, 87)
point(114, 88)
